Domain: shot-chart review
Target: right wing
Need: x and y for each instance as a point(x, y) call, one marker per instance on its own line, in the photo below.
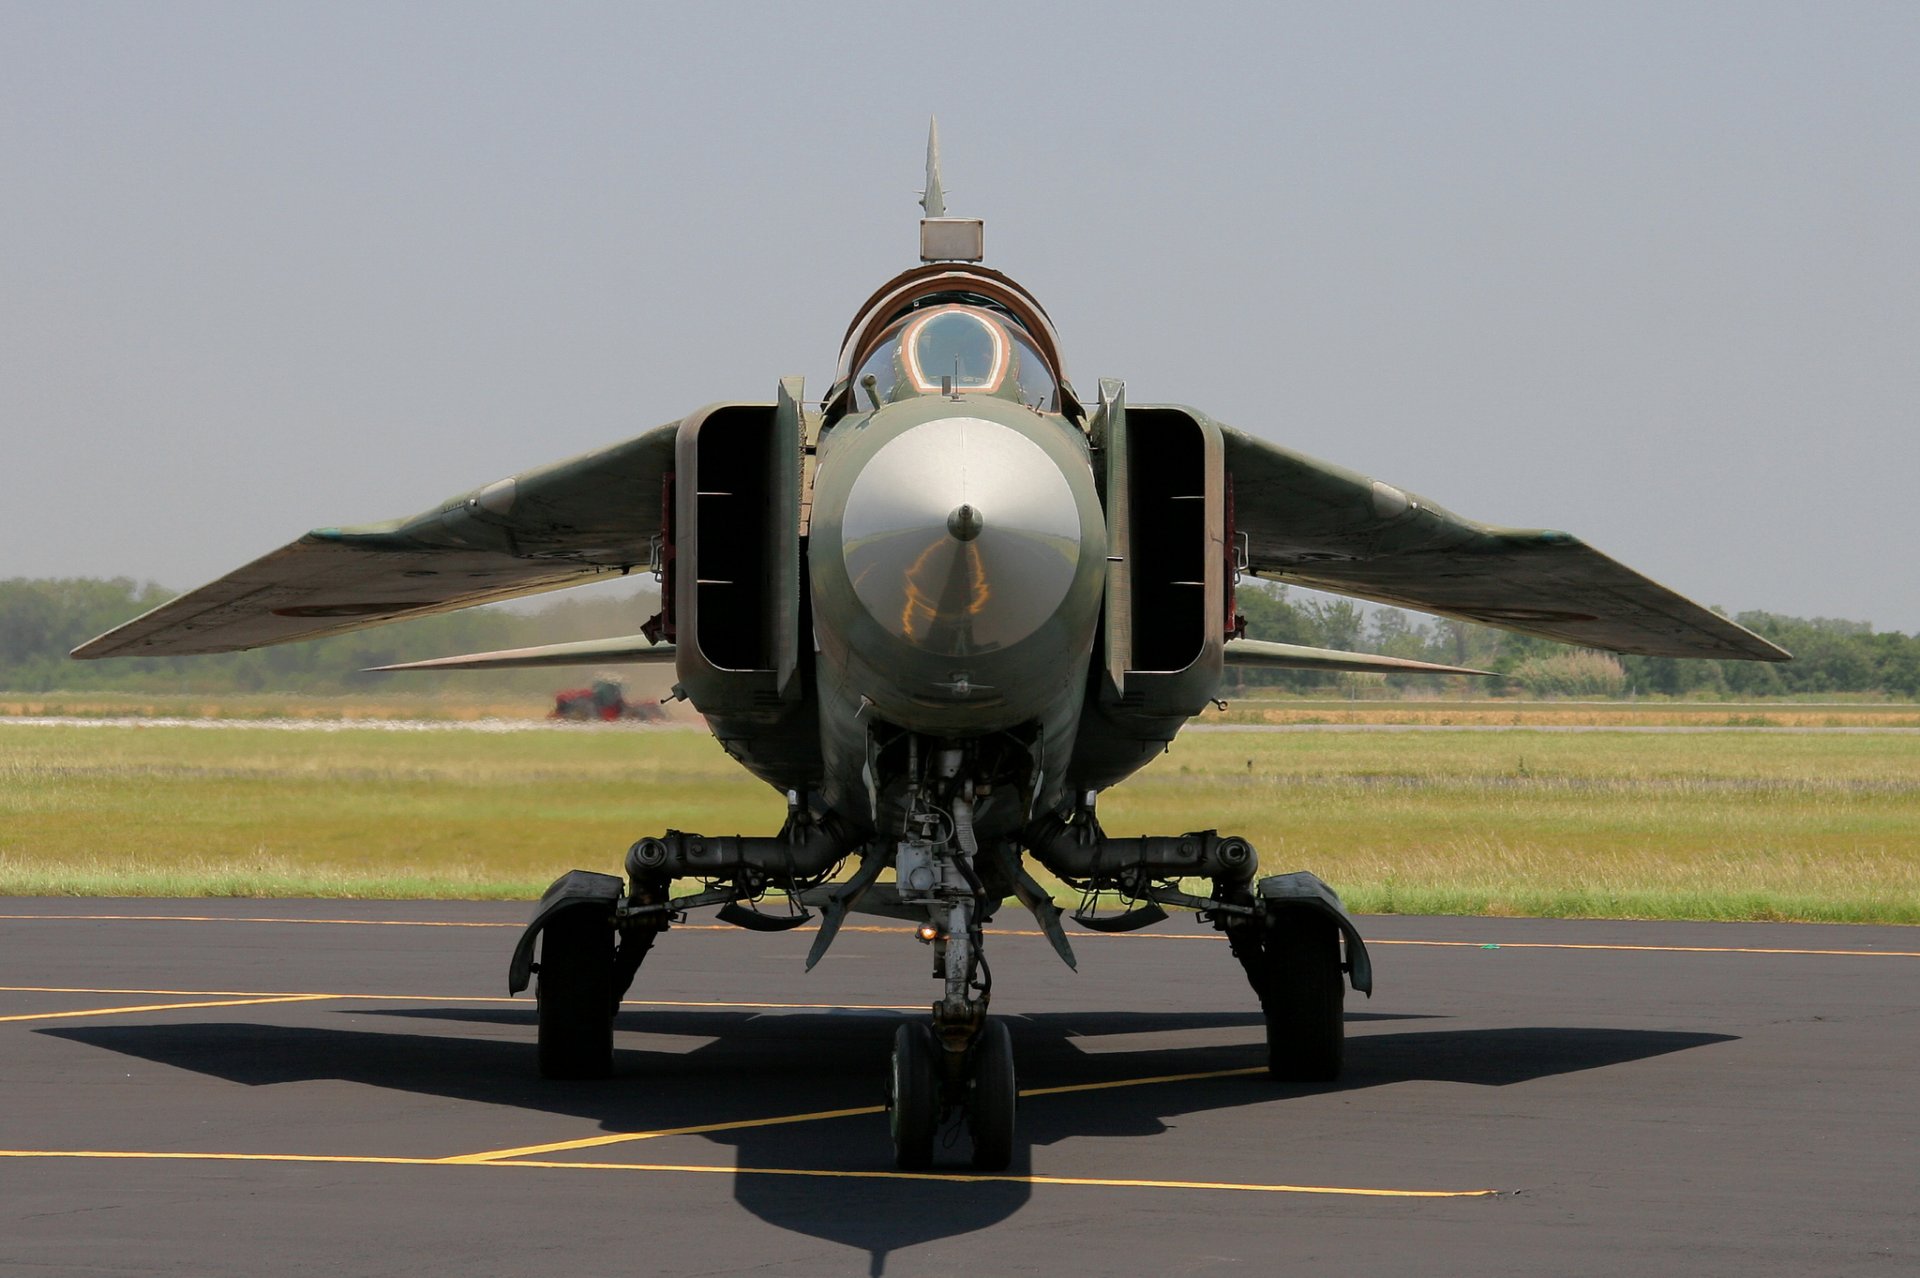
point(1320, 525)
point(564, 524)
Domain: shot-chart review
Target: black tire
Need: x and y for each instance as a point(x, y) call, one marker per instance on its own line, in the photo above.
point(1304, 997)
point(993, 1097)
point(913, 1098)
point(575, 995)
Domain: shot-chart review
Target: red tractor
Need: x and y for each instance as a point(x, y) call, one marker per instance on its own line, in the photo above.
point(606, 699)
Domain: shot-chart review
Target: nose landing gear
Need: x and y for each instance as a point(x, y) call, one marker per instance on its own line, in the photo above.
point(930, 1086)
point(963, 1063)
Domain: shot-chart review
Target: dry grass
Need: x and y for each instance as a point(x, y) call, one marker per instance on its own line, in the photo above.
point(239, 705)
point(1574, 714)
point(1716, 825)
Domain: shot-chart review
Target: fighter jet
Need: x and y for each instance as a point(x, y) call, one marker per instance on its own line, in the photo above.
point(939, 612)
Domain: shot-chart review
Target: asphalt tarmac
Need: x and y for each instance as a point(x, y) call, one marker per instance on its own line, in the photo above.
point(191, 1087)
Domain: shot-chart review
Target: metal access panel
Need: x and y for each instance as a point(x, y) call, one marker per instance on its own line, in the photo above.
point(737, 553)
point(952, 239)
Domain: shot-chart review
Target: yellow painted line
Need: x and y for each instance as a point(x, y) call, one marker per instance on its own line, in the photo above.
point(802, 1007)
point(260, 994)
point(141, 1155)
point(222, 918)
point(1142, 1082)
point(622, 1138)
point(1003, 1178)
point(167, 1007)
point(781, 1120)
point(1091, 1182)
point(266, 997)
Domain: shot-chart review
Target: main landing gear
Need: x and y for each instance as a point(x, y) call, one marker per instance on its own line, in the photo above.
point(1290, 932)
point(1299, 953)
point(589, 956)
point(1291, 935)
point(575, 997)
point(1292, 960)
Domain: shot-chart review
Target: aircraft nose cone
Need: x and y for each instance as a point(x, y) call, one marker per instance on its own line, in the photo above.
point(924, 559)
point(965, 522)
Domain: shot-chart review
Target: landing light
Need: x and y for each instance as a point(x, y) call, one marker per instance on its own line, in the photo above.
point(929, 933)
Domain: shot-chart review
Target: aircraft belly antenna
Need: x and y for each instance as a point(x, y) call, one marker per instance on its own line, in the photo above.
point(943, 238)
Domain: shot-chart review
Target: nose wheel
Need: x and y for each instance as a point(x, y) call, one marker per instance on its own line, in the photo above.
point(991, 1098)
point(913, 1098)
point(929, 1085)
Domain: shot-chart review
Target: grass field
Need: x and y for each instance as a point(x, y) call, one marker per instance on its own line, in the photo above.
point(1714, 825)
point(397, 702)
point(1511, 712)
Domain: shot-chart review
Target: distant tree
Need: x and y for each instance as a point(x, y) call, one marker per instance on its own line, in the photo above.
point(1580, 672)
point(1334, 623)
point(42, 619)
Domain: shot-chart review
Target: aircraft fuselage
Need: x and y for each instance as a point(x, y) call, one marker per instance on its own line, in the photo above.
point(959, 544)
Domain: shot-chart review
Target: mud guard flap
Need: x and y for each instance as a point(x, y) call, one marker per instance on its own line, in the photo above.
point(1304, 889)
point(573, 889)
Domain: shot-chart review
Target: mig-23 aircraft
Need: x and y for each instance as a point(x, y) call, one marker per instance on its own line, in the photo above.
point(940, 612)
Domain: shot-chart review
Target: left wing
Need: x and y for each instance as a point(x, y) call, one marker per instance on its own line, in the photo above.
point(1330, 528)
point(560, 525)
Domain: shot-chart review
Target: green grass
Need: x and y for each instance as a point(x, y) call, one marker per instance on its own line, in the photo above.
point(1719, 825)
point(1715, 826)
point(258, 812)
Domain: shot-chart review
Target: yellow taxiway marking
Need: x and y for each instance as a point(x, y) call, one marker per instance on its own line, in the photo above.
point(1142, 1082)
point(163, 1007)
point(623, 1138)
point(265, 996)
point(1090, 1182)
point(904, 930)
point(781, 1120)
point(226, 918)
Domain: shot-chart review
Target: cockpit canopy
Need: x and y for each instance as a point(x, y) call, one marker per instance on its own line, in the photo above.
point(963, 347)
point(960, 321)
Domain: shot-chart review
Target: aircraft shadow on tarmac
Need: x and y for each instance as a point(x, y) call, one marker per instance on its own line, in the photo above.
point(676, 1068)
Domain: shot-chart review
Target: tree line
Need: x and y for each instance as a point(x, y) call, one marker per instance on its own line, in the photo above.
point(1829, 656)
point(41, 620)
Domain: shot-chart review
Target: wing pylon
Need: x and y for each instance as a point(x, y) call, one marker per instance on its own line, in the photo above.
point(622, 650)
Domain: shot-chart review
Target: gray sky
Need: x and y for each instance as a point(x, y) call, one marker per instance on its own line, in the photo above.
point(1647, 274)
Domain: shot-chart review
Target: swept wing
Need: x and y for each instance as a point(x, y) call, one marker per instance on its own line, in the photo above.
point(560, 525)
point(1316, 524)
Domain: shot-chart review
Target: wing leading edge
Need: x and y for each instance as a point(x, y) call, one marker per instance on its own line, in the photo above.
point(564, 524)
point(1315, 524)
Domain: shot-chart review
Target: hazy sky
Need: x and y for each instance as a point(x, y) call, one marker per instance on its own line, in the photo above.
point(1647, 274)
